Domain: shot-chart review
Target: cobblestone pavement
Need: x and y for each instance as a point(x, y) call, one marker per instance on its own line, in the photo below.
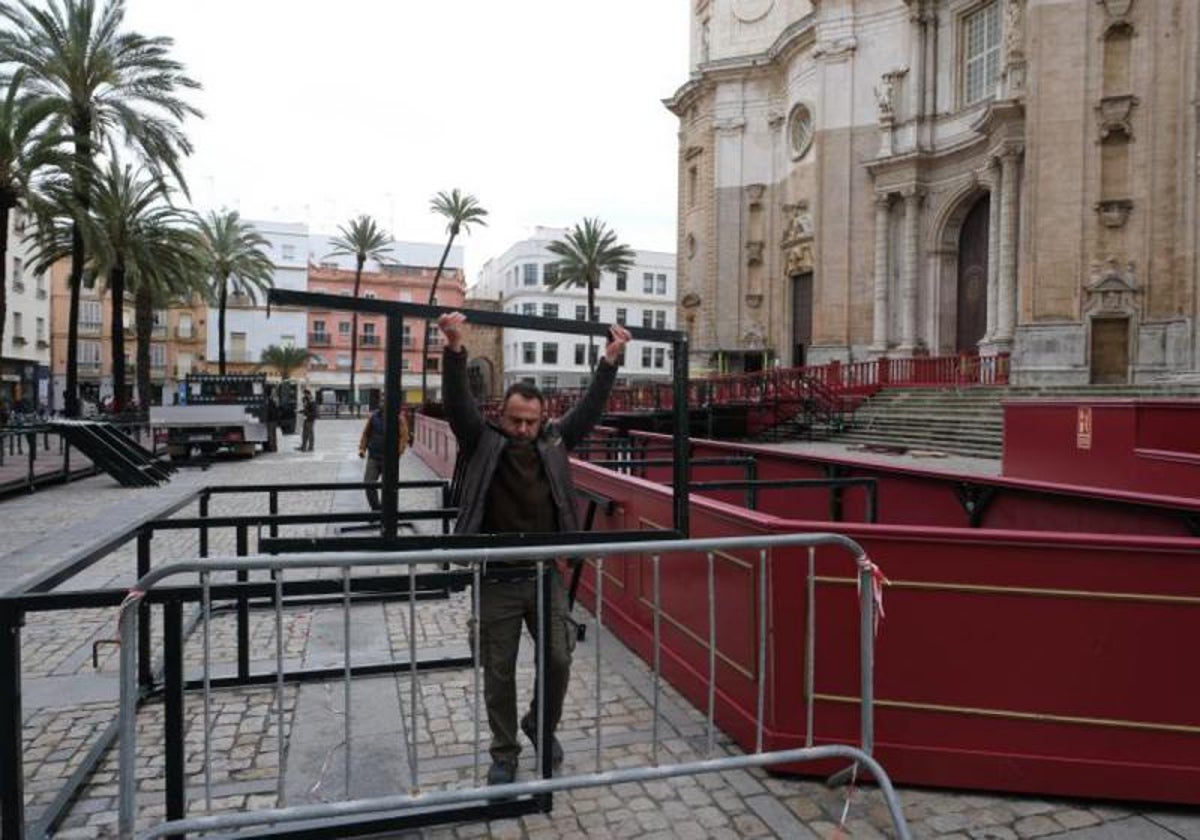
point(68, 704)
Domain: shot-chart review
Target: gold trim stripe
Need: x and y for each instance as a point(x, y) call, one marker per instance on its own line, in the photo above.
point(687, 631)
point(1041, 717)
point(1135, 597)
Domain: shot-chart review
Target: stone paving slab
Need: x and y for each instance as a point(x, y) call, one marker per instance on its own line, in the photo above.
point(67, 705)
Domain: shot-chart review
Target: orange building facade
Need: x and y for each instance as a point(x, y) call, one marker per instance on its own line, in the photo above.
point(330, 333)
point(177, 344)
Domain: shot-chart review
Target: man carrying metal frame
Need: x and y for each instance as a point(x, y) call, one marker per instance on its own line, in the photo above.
point(517, 479)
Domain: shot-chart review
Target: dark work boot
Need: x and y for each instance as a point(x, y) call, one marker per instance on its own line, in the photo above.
point(503, 771)
point(529, 727)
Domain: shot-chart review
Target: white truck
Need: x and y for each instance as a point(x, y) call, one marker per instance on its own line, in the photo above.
point(231, 412)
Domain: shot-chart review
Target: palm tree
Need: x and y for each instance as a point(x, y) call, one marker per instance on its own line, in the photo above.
point(103, 82)
point(167, 266)
point(364, 240)
point(24, 150)
point(583, 253)
point(285, 359)
point(124, 203)
point(461, 211)
point(235, 261)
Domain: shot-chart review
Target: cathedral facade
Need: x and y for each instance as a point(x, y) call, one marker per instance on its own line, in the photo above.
point(1018, 178)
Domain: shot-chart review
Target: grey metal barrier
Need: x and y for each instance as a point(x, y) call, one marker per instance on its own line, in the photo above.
point(478, 560)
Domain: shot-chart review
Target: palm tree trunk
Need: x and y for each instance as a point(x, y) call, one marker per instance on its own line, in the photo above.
point(4, 209)
point(591, 305)
point(116, 288)
point(359, 260)
point(427, 333)
point(82, 161)
point(143, 320)
point(222, 299)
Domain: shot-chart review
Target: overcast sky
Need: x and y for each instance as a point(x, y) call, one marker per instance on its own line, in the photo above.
point(546, 110)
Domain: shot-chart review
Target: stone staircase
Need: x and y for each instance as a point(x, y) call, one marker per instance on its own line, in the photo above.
point(968, 421)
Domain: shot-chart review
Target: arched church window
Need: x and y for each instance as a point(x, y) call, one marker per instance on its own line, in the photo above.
point(800, 130)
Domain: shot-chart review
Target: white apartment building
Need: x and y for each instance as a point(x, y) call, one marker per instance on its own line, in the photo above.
point(644, 296)
point(25, 353)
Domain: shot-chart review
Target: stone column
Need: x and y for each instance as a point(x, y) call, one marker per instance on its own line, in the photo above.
point(882, 217)
point(916, 62)
point(908, 323)
point(993, 267)
point(1006, 304)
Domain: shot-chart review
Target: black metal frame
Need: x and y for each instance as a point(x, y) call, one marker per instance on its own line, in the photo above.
point(397, 311)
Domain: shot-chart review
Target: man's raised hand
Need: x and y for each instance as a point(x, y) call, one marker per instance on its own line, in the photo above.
point(451, 326)
point(618, 338)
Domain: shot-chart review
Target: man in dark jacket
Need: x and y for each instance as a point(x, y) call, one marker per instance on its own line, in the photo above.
point(517, 479)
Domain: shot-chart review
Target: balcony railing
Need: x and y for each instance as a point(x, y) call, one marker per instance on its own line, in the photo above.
point(19, 340)
point(158, 331)
point(318, 340)
point(42, 343)
point(185, 333)
point(368, 340)
point(89, 367)
point(89, 328)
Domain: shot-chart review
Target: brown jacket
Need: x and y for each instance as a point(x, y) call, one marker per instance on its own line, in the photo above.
point(371, 440)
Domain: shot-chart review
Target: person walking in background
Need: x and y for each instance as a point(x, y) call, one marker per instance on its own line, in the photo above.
point(516, 479)
point(371, 446)
point(309, 411)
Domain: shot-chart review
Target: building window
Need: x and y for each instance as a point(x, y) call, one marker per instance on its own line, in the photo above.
point(800, 130)
point(581, 313)
point(89, 315)
point(529, 352)
point(549, 310)
point(660, 319)
point(404, 365)
point(343, 328)
point(329, 265)
point(660, 284)
point(18, 278)
point(18, 332)
point(549, 353)
point(647, 318)
point(646, 351)
point(691, 186)
point(41, 329)
point(318, 327)
point(531, 272)
point(287, 340)
point(981, 53)
point(550, 274)
point(622, 316)
point(528, 308)
point(287, 252)
point(406, 340)
point(158, 356)
point(368, 362)
point(549, 383)
point(89, 353)
point(622, 281)
point(580, 353)
point(660, 355)
point(648, 283)
point(431, 364)
point(343, 361)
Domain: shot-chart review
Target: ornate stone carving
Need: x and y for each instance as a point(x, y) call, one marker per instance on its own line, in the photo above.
point(1113, 288)
point(1116, 9)
point(692, 151)
point(798, 226)
point(1113, 114)
point(833, 49)
point(690, 300)
point(799, 259)
point(754, 300)
point(1014, 48)
point(730, 125)
point(754, 252)
point(754, 194)
point(885, 94)
point(753, 338)
point(1114, 212)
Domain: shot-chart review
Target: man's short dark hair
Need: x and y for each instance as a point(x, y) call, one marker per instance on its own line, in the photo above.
point(523, 389)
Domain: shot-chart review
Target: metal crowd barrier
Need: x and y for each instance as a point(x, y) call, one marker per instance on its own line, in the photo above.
point(301, 817)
